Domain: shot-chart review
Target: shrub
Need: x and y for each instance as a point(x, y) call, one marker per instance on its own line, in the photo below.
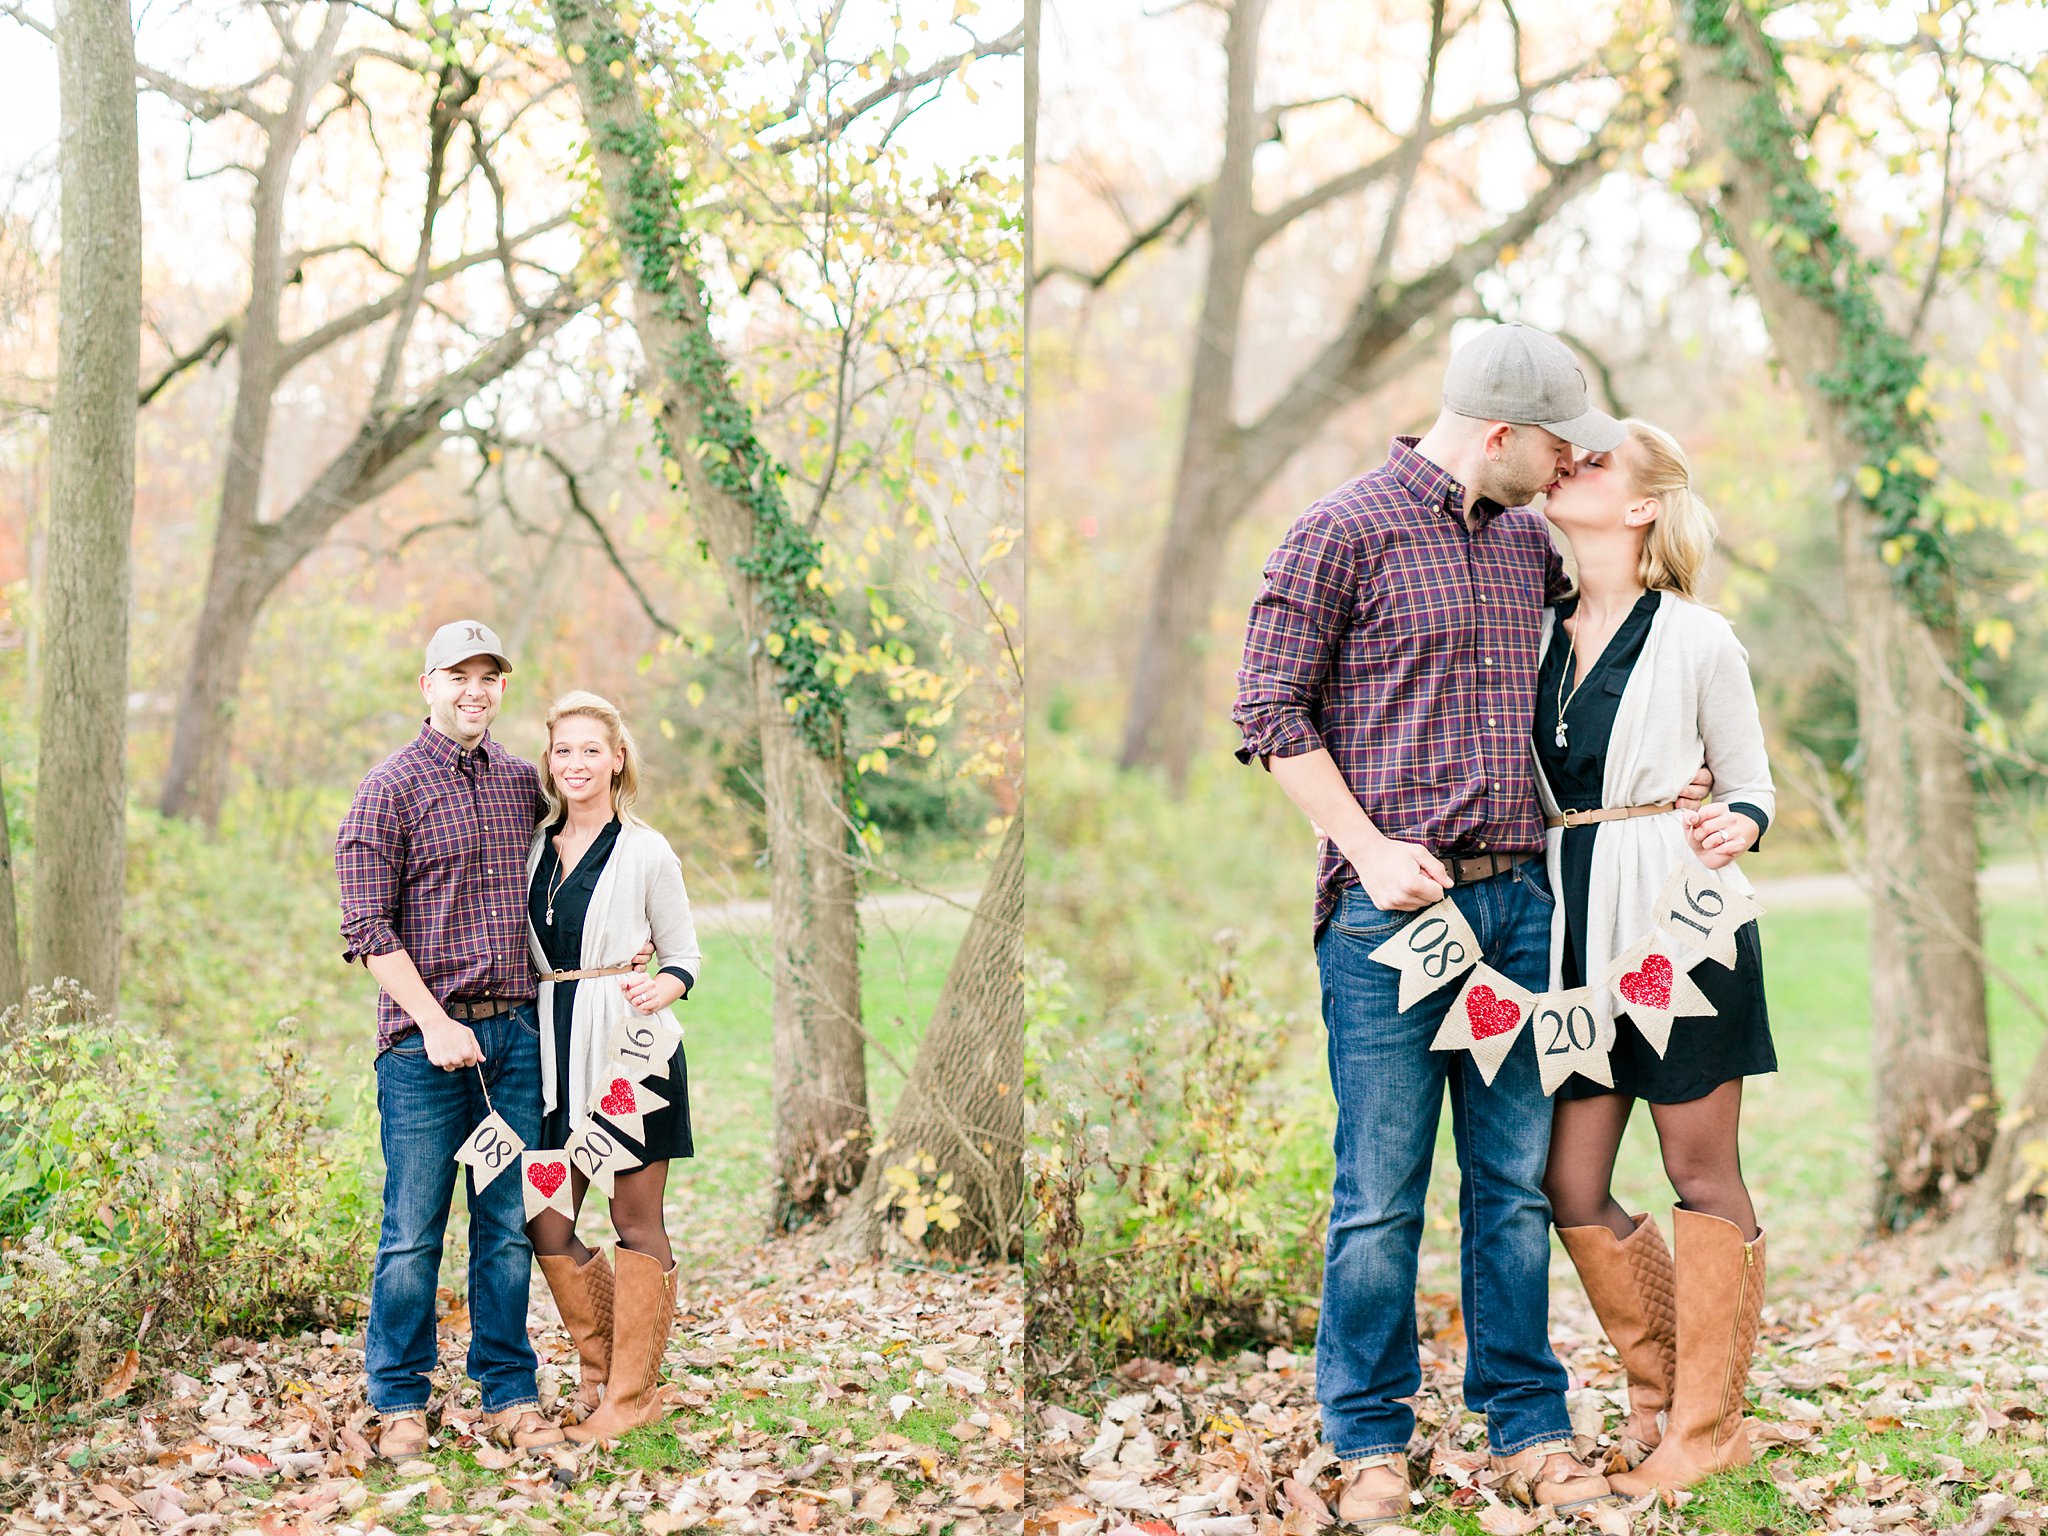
point(136, 1212)
point(1180, 1206)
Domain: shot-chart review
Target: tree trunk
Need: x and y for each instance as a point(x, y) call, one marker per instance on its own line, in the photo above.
point(733, 488)
point(1935, 1111)
point(963, 1107)
point(1164, 718)
point(81, 771)
point(251, 560)
point(820, 1049)
point(1226, 464)
point(1167, 719)
point(13, 983)
point(1987, 1228)
point(196, 782)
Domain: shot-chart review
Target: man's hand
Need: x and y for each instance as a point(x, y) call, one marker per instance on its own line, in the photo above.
point(1400, 877)
point(1719, 835)
point(646, 954)
point(1694, 795)
point(451, 1045)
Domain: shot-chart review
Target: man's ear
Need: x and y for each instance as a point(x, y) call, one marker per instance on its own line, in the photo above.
point(425, 678)
point(1496, 439)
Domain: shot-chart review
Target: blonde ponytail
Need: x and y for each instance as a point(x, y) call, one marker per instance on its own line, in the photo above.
point(1677, 544)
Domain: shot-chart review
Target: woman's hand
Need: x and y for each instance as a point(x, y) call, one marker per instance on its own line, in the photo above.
point(1718, 834)
point(651, 994)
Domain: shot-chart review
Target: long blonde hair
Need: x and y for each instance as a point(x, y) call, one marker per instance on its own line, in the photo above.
point(1677, 544)
point(625, 783)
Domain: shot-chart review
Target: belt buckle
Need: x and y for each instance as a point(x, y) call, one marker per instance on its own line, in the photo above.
point(1568, 815)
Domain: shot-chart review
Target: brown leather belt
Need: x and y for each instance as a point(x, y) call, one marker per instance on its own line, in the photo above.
point(1466, 868)
point(603, 970)
point(482, 1008)
point(1611, 813)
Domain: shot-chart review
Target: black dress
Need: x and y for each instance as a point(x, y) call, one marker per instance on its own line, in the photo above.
point(668, 1129)
point(1702, 1053)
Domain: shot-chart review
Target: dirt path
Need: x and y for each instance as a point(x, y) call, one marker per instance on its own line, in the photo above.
point(1841, 890)
point(906, 906)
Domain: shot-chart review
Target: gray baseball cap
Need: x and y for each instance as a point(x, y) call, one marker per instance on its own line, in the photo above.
point(1516, 373)
point(455, 643)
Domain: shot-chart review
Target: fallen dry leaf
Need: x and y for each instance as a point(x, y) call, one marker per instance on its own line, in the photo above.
point(123, 1376)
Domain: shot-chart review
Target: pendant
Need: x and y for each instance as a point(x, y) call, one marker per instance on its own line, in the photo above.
point(1560, 741)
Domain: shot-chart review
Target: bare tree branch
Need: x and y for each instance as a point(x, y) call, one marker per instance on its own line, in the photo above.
point(1189, 203)
point(325, 336)
point(896, 86)
point(209, 351)
point(574, 486)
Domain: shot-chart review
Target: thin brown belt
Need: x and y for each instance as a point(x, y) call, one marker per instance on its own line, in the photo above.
point(1610, 813)
point(603, 970)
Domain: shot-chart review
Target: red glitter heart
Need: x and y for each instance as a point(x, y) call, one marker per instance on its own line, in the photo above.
point(620, 1100)
point(1650, 986)
point(547, 1177)
point(1490, 1015)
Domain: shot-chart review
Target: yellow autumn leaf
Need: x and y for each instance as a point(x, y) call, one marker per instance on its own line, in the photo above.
point(1869, 480)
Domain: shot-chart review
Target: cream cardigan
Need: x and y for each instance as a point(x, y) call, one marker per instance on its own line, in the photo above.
point(639, 896)
point(1689, 701)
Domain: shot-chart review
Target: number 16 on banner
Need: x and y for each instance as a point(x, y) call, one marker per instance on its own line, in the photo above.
point(1433, 950)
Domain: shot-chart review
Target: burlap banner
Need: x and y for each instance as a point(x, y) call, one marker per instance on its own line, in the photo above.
point(1697, 917)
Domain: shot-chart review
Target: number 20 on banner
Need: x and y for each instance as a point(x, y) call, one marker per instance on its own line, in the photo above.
point(1574, 1033)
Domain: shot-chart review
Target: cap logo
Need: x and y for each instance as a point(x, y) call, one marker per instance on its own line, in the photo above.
point(473, 632)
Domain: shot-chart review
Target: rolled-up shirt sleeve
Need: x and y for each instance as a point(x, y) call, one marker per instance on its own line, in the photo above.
point(1301, 613)
point(368, 853)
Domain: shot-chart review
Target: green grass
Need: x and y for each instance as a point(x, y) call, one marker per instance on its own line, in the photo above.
point(1129, 903)
point(217, 957)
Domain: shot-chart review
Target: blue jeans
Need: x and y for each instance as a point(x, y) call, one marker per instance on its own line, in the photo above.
point(427, 1114)
point(1390, 1091)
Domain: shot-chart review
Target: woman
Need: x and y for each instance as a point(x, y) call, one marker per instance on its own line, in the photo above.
point(600, 884)
point(1640, 683)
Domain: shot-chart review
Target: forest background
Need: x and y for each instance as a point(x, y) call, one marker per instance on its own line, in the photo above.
point(680, 344)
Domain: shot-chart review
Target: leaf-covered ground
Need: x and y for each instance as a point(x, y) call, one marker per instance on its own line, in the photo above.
point(1881, 1403)
point(805, 1397)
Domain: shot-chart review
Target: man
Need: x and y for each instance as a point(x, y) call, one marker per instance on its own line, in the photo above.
point(1388, 683)
point(432, 864)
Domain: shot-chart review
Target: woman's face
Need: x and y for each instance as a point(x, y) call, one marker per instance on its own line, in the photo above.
point(1598, 496)
point(582, 760)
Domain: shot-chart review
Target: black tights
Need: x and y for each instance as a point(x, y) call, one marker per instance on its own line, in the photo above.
point(1701, 1156)
point(636, 1217)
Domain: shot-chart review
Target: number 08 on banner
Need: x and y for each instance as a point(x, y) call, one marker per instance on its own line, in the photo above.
point(1430, 951)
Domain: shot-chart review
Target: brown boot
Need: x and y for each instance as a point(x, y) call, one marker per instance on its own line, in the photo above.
point(1628, 1280)
point(1720, 1302)
point(583, 1296)
point(644, 1305)
point(1375, 1492)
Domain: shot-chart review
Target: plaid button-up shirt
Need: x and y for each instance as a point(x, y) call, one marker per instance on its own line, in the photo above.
point(432, 860)
point(1406, 643)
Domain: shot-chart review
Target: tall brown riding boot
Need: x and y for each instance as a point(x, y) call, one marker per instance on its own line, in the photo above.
point(1720, 1303)
point(583, 1296)
point(1628, 1280)
point(644, 1307)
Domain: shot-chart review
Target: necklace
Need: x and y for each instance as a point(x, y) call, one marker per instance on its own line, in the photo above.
point(554, 886)
point(1564, 700)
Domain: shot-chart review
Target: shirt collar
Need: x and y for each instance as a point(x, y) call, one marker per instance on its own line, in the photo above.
point(443, 750)
point(1434, 486)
